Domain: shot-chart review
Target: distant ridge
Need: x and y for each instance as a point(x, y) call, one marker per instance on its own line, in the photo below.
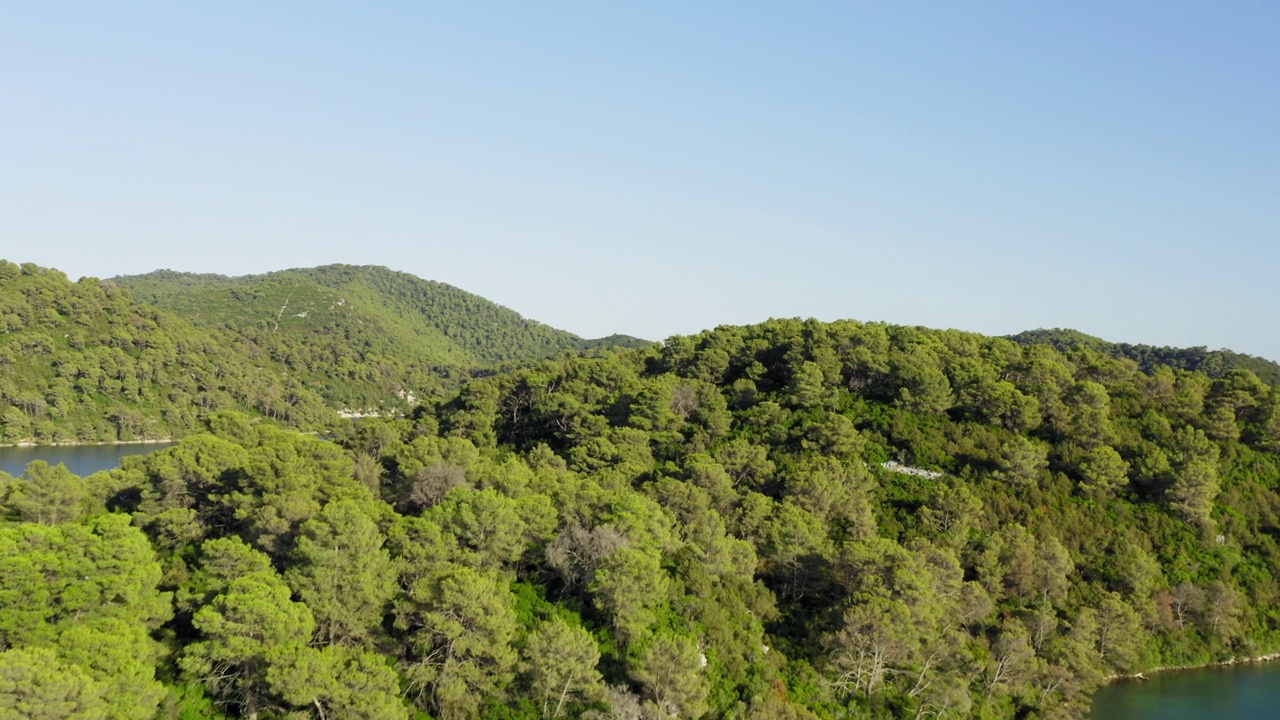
point(84, 362)
point(322, 322)
point(1214, 363)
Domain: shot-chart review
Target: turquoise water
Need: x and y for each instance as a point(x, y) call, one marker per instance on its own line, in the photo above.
point(1239, 692)
point(79, 459)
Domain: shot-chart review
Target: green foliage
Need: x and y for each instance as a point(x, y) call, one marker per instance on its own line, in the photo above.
point(83, 599)
point(47, 495)
point(706, 529)
point(340, 682)
point(1214, 363)
point(341, 571)
point(248, 632)
point(559, 664)
point(461, 626)
point(670, 671)
point(84, 362)
point(149, 356)
point(35, 685)
point(360, 335)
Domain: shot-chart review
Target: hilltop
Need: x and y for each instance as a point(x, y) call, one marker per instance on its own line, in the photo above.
point(84, 362)
point(793, 520)
point(403, 331)
point(1214, 363)
point(147, 356)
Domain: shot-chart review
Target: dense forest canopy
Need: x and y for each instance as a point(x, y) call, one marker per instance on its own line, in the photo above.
point(1214, 363)
point(84, 362)
point(87, 361)
point(793, 519)
point(355, 331)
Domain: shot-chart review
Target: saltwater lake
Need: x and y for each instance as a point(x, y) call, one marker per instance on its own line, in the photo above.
point(79, 459)
point(1239, 692)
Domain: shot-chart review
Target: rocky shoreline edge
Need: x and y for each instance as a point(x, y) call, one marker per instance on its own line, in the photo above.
point(1251, 660)
point(79, 443)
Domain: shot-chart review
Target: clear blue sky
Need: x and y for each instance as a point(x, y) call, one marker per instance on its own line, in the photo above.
point(660, 168)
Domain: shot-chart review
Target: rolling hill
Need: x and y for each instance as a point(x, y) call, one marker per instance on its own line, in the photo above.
point(84, 362)
point(147, 356)
point(1214, 363)
point(360, 334)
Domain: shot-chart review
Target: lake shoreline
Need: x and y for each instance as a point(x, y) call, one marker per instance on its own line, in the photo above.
point(1139, 676)
point(81, 443)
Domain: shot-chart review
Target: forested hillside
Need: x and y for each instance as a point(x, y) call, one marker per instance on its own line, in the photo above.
point(1214, 363)
point(90, 361)
point(711, 528)
point(83, 362)
point(355, 332)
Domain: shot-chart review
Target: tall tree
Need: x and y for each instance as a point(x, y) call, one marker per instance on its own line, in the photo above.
point(343, 573)
point(340, 682)
point(48, 494)
point(670, 670)
point(35, 685)
point(246, 632)
point(559, 663)
point(461, 625)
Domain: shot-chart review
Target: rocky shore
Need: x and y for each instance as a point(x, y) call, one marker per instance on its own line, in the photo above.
point(79, 443)
point(1252, 660)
